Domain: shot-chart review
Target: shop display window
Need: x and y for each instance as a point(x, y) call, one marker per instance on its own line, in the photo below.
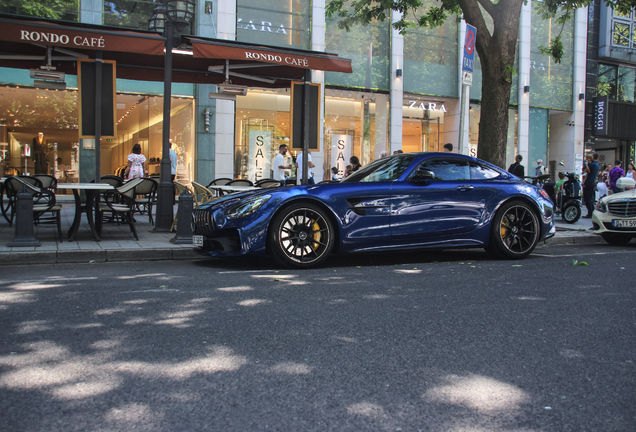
point(39, 133)
point(262, 125)
point(423, 124)
point(356, 124)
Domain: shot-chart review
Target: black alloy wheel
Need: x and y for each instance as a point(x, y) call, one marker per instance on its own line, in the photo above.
point(515, 231)
point(301, 236)
point(616, 239)
point(571, 213)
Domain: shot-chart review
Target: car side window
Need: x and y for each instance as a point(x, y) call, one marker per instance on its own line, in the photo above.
point(480, 172)
point(448, 169)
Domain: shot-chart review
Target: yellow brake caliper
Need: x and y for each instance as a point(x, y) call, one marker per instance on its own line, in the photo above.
point(317, 234)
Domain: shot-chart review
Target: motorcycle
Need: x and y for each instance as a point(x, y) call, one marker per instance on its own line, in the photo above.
point(568, 202)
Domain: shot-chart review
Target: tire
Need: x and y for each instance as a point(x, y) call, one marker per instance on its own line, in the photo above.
point(616, 239)
point(301, 236)
point(571, 213)
point(515, 231)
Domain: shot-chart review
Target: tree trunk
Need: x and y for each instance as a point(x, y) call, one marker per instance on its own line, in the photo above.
point(497, 55)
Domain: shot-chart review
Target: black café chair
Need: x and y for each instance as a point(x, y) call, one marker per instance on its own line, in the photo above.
point(43, 202)
point(268, 182)
point(240, 182)
point(48, 181)
point(220, 181)
point(146, 197)
point(120, 203)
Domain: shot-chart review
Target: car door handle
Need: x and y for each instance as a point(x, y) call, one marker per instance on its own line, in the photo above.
point(464, 188)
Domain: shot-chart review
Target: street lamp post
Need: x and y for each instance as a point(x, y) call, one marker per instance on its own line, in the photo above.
point(173, 14)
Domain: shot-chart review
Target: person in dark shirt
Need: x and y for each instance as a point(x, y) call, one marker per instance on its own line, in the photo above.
point(589, 187)
point(516, 168)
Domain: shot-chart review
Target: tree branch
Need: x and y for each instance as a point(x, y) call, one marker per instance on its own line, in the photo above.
point(488, 7)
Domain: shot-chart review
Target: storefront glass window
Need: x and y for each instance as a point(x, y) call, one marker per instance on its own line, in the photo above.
point(550, 82)
point(422, 125)
point(272, 22)
point(141, 122)
point(67, 10)
point(262, 125)
point(27, 112)
point(132, 14)
point(512, 147)
point(356, 124)
point(369, 71)
point(607, 80)
point(430, 58)
point(537, 139)
point(625, 84)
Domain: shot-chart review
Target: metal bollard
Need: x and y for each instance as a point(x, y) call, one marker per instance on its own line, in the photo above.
point(24, 228)
point(184, 219)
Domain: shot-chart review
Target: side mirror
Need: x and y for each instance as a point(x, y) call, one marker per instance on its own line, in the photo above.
point(422, 173)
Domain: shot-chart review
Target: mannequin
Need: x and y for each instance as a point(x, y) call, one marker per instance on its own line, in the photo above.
point(40, 150)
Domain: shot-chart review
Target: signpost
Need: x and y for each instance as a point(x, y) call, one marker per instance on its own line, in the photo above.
point(468, 63)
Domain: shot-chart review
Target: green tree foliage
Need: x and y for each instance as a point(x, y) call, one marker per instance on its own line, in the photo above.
point(497, 23)
point(56, 9)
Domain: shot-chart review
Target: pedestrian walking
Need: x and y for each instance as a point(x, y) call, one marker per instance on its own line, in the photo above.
point(516, 168)
point(616, 173)
point(589, 187)
point(137, 166)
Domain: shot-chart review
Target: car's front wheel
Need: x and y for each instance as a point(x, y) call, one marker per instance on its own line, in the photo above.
point(515, 231)
point(616, 239)
point(301, 236)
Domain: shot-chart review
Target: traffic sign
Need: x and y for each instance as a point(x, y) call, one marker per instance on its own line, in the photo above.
point(469, 48)
point(467, 78)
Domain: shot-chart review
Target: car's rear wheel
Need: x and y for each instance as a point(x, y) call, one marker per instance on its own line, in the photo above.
point(515, 231)
point(616, 239)
point(301, 236)
point(571, 213)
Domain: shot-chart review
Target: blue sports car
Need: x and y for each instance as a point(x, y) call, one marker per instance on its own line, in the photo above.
point(401, 202)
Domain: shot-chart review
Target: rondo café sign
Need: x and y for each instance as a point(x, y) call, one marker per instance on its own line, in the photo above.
point(56, 35)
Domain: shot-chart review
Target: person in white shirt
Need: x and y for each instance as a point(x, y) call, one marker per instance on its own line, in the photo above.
point(299, 165)
point(279, 163)
point(173, 162)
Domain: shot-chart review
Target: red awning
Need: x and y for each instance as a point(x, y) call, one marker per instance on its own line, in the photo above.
point(73, 37)
point(140, 54)
point(220, 49)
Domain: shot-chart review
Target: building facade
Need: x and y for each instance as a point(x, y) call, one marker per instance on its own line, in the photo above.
point(404, 94)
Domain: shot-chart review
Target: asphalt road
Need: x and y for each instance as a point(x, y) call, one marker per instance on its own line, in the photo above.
point(446, 341)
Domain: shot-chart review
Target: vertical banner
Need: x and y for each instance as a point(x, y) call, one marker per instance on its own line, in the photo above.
point(260, 144)
point(340, 152)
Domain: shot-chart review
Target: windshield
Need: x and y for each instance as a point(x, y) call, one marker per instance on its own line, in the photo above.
point(385, 169)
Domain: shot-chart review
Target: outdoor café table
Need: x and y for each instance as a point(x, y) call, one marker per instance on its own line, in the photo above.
point(92, 190)
point(224, 188)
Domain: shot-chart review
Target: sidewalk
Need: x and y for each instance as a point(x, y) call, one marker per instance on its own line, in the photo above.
point(119, 244)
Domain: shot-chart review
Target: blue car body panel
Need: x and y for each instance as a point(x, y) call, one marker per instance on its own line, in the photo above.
point(382, 215)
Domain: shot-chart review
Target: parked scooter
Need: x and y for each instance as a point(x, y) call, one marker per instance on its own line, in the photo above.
point(568, 202)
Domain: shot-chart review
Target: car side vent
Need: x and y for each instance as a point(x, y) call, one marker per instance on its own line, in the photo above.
point(623, 208)
point(202, 222)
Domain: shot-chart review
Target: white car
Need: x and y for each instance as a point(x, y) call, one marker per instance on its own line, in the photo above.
point(615, 216)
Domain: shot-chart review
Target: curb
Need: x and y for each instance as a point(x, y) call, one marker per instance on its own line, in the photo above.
point(119, 255)
point(78, 257)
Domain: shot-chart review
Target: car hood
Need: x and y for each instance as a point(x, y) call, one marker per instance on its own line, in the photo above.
point(621, 195)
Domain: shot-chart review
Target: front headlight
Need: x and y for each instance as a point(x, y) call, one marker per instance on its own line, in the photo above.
point(601, 206)
point(246, 206)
